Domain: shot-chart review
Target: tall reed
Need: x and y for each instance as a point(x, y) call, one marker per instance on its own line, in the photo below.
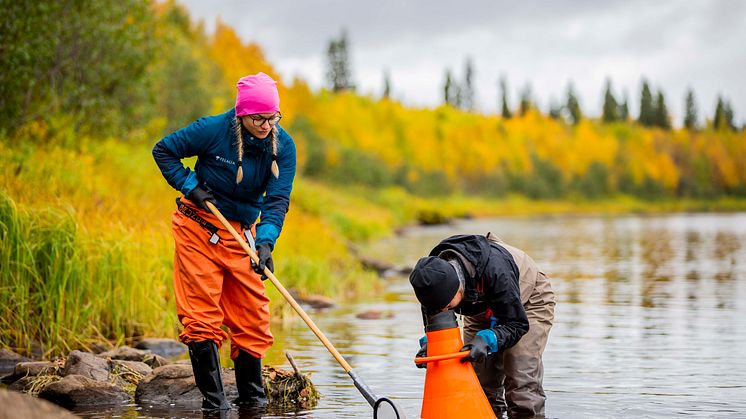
point(60, 290)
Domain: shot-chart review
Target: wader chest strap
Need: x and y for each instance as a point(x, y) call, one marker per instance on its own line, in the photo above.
point(192, 214)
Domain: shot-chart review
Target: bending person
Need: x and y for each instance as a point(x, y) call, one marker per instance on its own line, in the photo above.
point(245, 167)
point(508, 307)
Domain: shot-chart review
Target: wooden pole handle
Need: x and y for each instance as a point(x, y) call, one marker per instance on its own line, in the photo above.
point(276, 282)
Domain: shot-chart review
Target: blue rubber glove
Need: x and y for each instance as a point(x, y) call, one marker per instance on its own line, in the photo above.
point(422, 352)
point(483, 344)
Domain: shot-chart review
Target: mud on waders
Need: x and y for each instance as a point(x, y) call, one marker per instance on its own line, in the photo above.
point(383, 407)
point(452, 389)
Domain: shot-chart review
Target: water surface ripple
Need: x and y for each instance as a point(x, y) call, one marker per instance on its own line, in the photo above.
point(650, 321)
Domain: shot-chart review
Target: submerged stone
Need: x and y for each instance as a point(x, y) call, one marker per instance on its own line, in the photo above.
point(375, 315)
point(316, 302)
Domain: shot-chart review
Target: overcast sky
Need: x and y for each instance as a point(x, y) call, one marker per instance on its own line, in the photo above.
point(674, 44)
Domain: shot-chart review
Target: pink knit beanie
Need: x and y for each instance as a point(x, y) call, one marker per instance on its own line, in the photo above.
point(257, 94)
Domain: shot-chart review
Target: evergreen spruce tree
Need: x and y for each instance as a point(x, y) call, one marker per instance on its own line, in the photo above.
point(339, 74)
point(386, 84)
point(611, 107)
point(690, 106)
point(466, 99)
point(647, 106)
point(728, 116)
point(451, 94)
point(662, 119)
point(526, 101)
point(504, 93)
point(573, 106)
point(718, 121)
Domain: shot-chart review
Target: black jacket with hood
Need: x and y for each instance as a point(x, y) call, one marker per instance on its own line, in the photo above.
point(493, 287)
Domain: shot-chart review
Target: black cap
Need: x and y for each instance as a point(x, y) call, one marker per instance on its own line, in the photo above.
point(434, 281)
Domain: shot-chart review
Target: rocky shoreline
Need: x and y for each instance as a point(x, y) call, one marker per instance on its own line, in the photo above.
point(142, 375)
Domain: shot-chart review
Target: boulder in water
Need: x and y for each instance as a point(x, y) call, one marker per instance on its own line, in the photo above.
point(174, 384)
point(374, 315)
point(77, 390)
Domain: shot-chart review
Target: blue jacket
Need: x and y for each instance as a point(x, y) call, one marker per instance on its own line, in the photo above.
point(213, 141)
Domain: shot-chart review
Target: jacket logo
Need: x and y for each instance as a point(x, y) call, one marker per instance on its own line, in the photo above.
point(224, 160)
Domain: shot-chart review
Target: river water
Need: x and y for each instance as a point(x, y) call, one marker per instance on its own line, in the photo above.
point(650, 319)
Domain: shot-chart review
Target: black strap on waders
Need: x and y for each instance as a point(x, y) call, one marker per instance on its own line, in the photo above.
point(192, 214)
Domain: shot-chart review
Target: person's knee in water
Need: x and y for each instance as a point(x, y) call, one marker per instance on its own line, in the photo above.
point(498, 290)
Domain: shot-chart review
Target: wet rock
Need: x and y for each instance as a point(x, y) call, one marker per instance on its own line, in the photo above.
point(174, 384)
point(28, 407)
point(8, 361)
point(128, 374)
point(125, 353)
point(122, 367)
point(100, 347)
point(316, 302)
point(154, 361)
point(169, 384)
point(31, 369)
point(384, 269)
point(77, 390)
point(374, 315)
point(166, 348)
point(22, 384)
point(431, 217)
point(375, 264)
point(87, 365)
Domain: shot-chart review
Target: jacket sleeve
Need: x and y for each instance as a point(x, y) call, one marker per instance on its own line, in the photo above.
point(186, 142)
point(277, 198)
point(505, 303)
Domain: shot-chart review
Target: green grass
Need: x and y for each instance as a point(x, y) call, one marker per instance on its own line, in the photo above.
point(60, 290)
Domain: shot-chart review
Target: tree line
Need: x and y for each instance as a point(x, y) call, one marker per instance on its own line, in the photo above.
point(460, 94)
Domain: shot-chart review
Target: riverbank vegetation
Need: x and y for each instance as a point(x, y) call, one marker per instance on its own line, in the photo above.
point(84, 212)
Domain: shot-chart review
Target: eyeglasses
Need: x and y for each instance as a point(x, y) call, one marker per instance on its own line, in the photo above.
point(259, 120)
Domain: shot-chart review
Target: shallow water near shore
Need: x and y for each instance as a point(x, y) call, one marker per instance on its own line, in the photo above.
point(650, 321)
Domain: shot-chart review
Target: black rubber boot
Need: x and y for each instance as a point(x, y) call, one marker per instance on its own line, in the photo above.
point(249, 381)
point(206, 367)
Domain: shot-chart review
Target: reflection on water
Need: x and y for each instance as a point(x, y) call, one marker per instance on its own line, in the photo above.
point(650, 320)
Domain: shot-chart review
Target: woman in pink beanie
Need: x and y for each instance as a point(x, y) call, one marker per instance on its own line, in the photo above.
point(245, 166)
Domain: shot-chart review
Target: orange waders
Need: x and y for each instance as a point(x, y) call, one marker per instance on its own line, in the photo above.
point(214, 284)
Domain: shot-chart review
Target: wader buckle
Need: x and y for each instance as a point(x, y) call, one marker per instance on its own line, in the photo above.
point(192, 215)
